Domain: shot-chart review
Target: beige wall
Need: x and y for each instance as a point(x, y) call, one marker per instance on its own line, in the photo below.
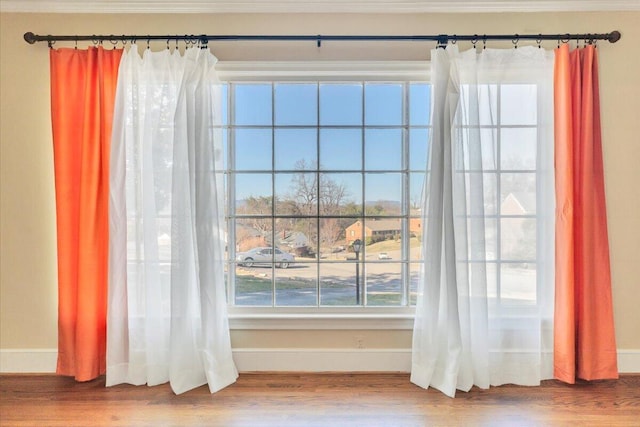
point(27, 215)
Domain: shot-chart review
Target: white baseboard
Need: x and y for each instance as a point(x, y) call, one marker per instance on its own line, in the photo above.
point(322, 360)
point(282, 359)
point(28, 360)
point(629, 361)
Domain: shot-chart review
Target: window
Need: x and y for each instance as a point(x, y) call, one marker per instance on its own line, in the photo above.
point(312, 166)
point(320, 161)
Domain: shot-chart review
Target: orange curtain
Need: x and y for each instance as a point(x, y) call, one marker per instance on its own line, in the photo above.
point(584, 338)
point(83, 85)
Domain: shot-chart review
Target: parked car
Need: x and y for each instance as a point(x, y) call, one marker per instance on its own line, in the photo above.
point(383, 255)
point(264, 256)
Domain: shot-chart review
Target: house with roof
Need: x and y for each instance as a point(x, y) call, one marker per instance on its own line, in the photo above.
point(380, 228)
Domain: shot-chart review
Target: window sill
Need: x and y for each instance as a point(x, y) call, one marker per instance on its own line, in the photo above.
point(401, 320)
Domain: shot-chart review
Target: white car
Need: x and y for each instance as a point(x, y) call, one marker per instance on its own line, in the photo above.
point(383, 255)
point(265, 256)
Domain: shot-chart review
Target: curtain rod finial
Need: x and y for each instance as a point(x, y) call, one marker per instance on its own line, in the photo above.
point(614, 36)
point(29, 37)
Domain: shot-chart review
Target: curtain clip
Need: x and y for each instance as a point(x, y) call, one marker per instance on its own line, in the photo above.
point(515, 41)
point(443, 40)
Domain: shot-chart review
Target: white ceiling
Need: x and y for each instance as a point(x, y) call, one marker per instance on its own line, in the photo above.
point(313, 6)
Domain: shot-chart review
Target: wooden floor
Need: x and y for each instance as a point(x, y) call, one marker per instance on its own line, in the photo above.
point(315, 400)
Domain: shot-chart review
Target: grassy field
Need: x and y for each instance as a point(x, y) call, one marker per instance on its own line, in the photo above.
point(248, 284)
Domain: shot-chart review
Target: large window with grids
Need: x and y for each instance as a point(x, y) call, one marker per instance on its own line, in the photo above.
point(312, 168)
point(316, 165)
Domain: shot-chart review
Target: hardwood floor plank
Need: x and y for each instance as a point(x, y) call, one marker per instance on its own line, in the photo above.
point(331, 399)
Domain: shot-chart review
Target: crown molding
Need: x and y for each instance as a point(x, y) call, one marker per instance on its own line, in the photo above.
point(314, 6)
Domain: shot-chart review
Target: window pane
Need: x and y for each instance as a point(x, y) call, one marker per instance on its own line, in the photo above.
point(254, 286)
point(340, 104)
point(253, 104)
point(163, 231)
point(383, 104)
point(491, 238)
point(224, 133)
point(384, 284)
point(298, 236)
point(489, 148)
point(419, 104)
point(418, 152)
point(296, 193)
point(416, 188)
point(253, 149)
point(338, 283)
point(253, 193)
point(297, 285)
point(341, 149)
point(383, 193)
point(518, 239)
point(478, 156)
point(354, 230)
point(296, 104)
point(489, 193)
point(252, 233)
point(332, 238)
point(518, 193)
point(416, 235)
point(383, 149)
point(381, 230)
point(486, 95)
point(518, 104)
point(518, 148)
point(415, 276)
point(338, 191)
point(518, 284)
point(296, 149)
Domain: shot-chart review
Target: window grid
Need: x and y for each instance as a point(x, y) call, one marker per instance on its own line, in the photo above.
point(363, 175)
point(407, 175)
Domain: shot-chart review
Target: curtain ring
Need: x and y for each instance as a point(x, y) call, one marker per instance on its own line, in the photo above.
point(76, 43)
point(95, 40)
point(148, 41)
point(515, 41)
point(484, 42)
point(474, 40)
point(454, 39)
point(50, 43)
point(539, 40)
point(168, 44)
point(114, 42)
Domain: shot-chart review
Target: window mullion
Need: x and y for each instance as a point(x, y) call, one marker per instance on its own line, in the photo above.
point(362, 279)
point(405, 209)
point(317, 173)
point(231, 195)
point(273, 194)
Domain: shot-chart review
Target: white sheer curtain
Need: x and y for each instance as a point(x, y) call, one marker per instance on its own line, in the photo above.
point(167, 318)
point(485, 299)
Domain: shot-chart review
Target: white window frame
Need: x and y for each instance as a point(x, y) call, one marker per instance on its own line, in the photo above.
point(356, 317)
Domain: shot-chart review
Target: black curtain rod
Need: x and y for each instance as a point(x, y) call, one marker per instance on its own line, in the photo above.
point(441, 39)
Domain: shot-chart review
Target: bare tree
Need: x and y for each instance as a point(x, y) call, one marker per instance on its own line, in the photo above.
point(261, 205)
